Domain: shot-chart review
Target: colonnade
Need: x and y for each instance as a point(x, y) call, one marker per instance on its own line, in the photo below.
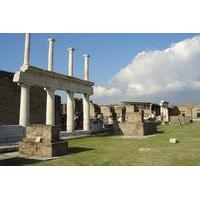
point(24, 115)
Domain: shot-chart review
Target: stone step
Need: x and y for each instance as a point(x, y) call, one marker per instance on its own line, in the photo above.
point(8, 147)
point(11, 133)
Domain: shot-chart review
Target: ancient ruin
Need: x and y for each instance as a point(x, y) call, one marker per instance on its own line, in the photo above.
point(34, 116)
point(46, 137)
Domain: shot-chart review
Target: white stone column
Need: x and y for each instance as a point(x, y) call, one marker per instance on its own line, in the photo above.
point(50, 107)
point(167, 114)
point(70, 61)
point(50, 103)
point(70, 96)
point(24, 113)
point(86, 66)
point(86, 112)
point(70, 112)
point(50, 53)
point(27, 49)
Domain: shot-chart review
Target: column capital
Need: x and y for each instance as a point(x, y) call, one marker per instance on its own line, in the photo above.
point(86, 55)
point(49, 89)
point(51, 39)
point(70, 49)
point(23, 85)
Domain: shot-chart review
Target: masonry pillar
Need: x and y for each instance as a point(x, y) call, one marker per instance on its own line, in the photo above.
point(50, 104)
point(24, 113)
point(70, 112)
point(86, 112)
point(27, 49)
point(86, 66)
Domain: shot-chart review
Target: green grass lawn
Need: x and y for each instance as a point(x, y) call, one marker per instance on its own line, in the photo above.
point(115, 150)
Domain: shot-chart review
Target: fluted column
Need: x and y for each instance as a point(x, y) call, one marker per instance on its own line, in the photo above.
point(70, 112)
point(24, 113)
point(27, 49)
point(86, 66)
point(86, 112)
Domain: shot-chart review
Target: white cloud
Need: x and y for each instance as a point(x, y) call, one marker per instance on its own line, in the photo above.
point(171, 73)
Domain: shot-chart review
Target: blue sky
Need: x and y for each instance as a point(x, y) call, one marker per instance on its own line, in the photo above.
point(109, 52)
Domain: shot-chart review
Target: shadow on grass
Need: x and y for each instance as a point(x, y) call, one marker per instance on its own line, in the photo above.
point(160, 132)
point(73, 150)
point(16, 161)
point(105, 135)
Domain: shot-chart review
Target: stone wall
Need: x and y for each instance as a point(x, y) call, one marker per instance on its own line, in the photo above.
point(107, 111)
point(185, 109)
point(94, 110)
point(135, 124)
point(10, 102)
point(196, 113)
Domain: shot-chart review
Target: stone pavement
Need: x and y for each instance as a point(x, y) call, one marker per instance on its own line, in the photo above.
point(16, 154)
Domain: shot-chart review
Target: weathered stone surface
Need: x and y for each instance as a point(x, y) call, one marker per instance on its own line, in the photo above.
point(33, 76)
point(138, 128)
point(94, 110)
point(47, 132)
point(134, 123)
point(43, 140)
point(46, 149)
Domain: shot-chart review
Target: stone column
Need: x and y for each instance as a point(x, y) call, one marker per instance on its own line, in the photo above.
point(70, 96)
point(70, 61)
point(161, 111)
point(27, 49)
point(166, 114)
point(50, 54)
point(50, 104)
point(86, 66)
point(50, 107)
point(86, 112)
point(24, 115)
point(70, 112)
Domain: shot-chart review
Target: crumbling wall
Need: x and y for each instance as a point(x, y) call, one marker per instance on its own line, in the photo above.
point(107, 112)
point(135, 124)
point(94, 110)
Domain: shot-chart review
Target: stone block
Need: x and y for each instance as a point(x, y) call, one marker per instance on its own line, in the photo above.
point(43, 149)
point(44, 141)
point(173, 140)
point(46, 132)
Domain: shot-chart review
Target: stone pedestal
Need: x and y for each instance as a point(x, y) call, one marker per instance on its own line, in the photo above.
point(44, 141)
